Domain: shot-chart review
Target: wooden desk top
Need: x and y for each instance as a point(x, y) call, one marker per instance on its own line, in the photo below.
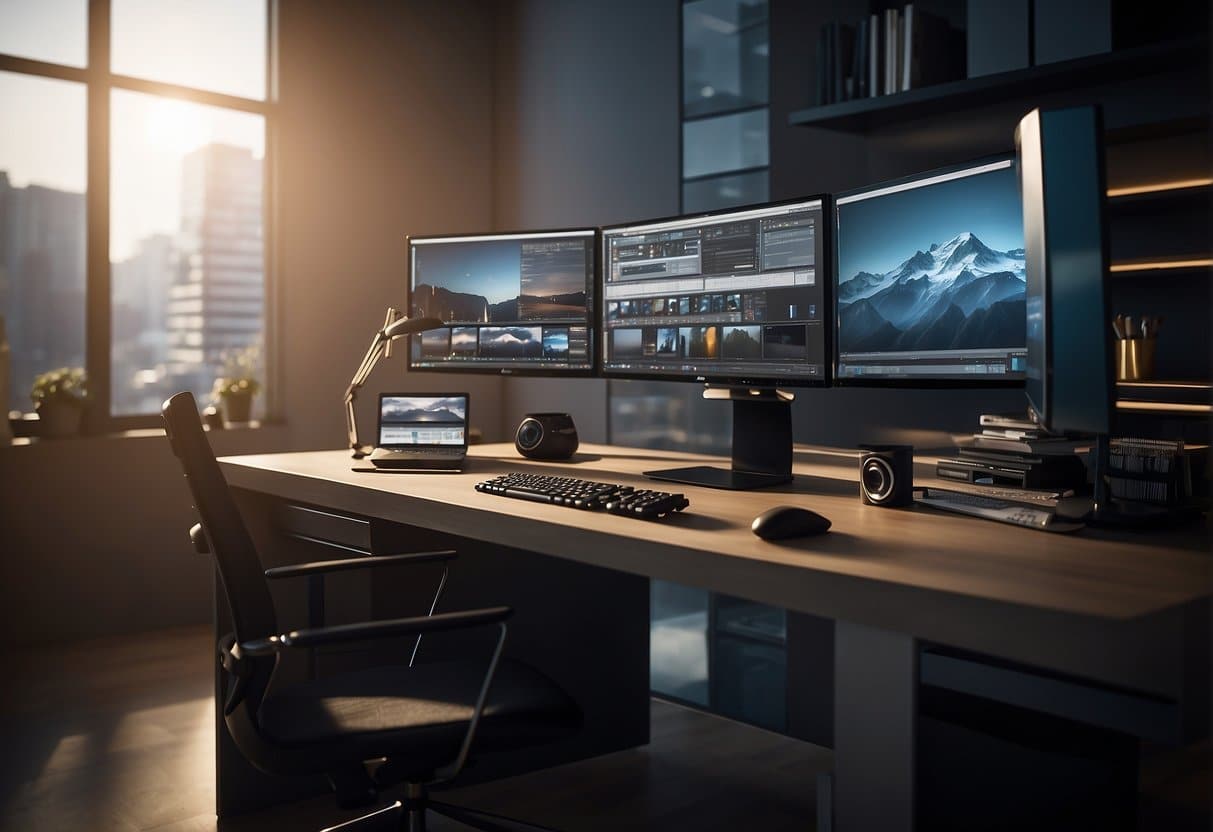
point(1129, 609)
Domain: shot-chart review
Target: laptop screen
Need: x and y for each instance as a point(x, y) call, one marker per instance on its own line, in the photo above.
point(408, 421)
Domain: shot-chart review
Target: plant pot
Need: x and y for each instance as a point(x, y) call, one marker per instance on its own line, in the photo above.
point(57, 420)
point(237, 408)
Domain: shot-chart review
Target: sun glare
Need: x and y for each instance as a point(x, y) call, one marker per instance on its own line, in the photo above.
point(176, 126)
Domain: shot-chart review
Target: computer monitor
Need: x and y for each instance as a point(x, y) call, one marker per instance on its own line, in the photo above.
point(517, 303)
point(734, 297)
point(1069, 363)
point(930, 279)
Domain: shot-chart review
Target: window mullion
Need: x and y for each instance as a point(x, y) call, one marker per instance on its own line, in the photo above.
point(97, 257)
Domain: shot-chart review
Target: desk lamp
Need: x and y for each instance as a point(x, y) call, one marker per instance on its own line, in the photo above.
point(395, 325)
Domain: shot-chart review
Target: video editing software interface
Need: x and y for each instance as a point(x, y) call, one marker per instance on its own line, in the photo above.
point(930, 280)
point(514, 302)
point(731, 295)
point(422, 420)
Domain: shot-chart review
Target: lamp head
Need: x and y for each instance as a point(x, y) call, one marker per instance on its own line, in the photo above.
point(407, 326)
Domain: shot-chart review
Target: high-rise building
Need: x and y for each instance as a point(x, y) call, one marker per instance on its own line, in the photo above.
point(139, 334)
point(217, 299)
point(42, 295)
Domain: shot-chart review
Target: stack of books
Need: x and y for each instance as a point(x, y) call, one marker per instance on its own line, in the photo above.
point(887, 52)
point(1012, 451)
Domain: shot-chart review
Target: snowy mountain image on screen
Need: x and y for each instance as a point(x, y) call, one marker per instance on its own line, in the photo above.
point(423, 409)
point(956, 295)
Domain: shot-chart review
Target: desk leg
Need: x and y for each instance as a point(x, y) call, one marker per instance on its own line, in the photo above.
point(875, 682)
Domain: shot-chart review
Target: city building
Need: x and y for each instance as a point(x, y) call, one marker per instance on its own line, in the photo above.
point(216, 300)
point(42, 275)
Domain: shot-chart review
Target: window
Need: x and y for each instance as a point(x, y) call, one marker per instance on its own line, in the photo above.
point(134, 187)
point(725, 112)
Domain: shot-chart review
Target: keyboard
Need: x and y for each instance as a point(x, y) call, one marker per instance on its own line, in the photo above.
point(587, 495)
point(992, 508)
point(1041, 497)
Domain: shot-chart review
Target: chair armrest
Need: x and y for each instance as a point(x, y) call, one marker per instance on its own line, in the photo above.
point(340, 633)
point(321, 567)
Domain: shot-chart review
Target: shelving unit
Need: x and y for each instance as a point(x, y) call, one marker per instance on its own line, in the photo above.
point(864, 114)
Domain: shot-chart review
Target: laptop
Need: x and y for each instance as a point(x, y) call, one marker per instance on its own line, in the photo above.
point(422, 433)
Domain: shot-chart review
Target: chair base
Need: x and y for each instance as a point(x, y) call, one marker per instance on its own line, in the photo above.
point(412, 814)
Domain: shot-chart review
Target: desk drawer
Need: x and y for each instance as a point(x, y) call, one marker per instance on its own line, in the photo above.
point(326, 526)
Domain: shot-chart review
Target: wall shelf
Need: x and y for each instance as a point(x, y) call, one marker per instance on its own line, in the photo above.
point(1151, 192)
point(1159, 267)
point(1165, 397)
point(863, 114)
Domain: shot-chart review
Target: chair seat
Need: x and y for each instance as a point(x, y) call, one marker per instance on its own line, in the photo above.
point(419, 712)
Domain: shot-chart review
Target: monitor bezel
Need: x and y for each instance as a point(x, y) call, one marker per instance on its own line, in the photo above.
point(722, 379)
point(912, 383)
point(590, 372)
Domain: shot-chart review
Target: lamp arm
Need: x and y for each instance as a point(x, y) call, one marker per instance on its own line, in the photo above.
point(395, 325)
point(373, 354)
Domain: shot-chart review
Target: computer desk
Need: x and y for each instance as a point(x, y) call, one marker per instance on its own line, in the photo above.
point(1126, 612)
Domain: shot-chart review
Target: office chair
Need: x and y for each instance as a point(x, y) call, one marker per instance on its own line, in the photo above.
point(368, 729)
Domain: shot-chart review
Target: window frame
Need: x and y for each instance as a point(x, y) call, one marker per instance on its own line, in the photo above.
point(99, 83)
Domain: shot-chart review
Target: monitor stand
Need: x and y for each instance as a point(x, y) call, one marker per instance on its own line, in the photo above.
point(762, 442)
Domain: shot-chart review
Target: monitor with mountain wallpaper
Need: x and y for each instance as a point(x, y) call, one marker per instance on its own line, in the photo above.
point(519, 303)
point(929, 279)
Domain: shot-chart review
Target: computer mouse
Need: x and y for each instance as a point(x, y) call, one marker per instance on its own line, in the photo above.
point(782, 522)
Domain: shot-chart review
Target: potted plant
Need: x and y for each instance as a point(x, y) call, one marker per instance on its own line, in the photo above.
point(60, 397)
point(238, 384)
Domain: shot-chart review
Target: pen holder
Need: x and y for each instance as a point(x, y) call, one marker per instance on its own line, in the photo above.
point(1135, 359)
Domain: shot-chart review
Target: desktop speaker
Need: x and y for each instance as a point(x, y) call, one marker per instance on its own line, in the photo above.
point(886, 475)
point(546, 436)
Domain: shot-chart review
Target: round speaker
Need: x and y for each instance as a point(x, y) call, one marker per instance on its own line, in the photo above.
point(546, 436)
point(886, 475)
point(878, 478)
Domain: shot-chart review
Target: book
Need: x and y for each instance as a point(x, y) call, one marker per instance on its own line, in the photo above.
point(1007, 420)
point(874, 64)
point(1045, 446)
point(907, 46)
point(931, 52)
point(1014, 433)
point(891, 27)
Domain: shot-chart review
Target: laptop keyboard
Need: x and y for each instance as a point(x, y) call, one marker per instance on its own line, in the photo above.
point(427, 452)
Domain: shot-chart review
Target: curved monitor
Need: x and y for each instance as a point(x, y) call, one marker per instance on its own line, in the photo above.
point(930, 279)
point(517, 303)
point(734, 297)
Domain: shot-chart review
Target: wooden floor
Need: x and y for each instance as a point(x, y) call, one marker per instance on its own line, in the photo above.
point(116, 734)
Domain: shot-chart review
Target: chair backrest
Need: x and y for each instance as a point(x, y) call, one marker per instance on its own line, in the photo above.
point(240, 568)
